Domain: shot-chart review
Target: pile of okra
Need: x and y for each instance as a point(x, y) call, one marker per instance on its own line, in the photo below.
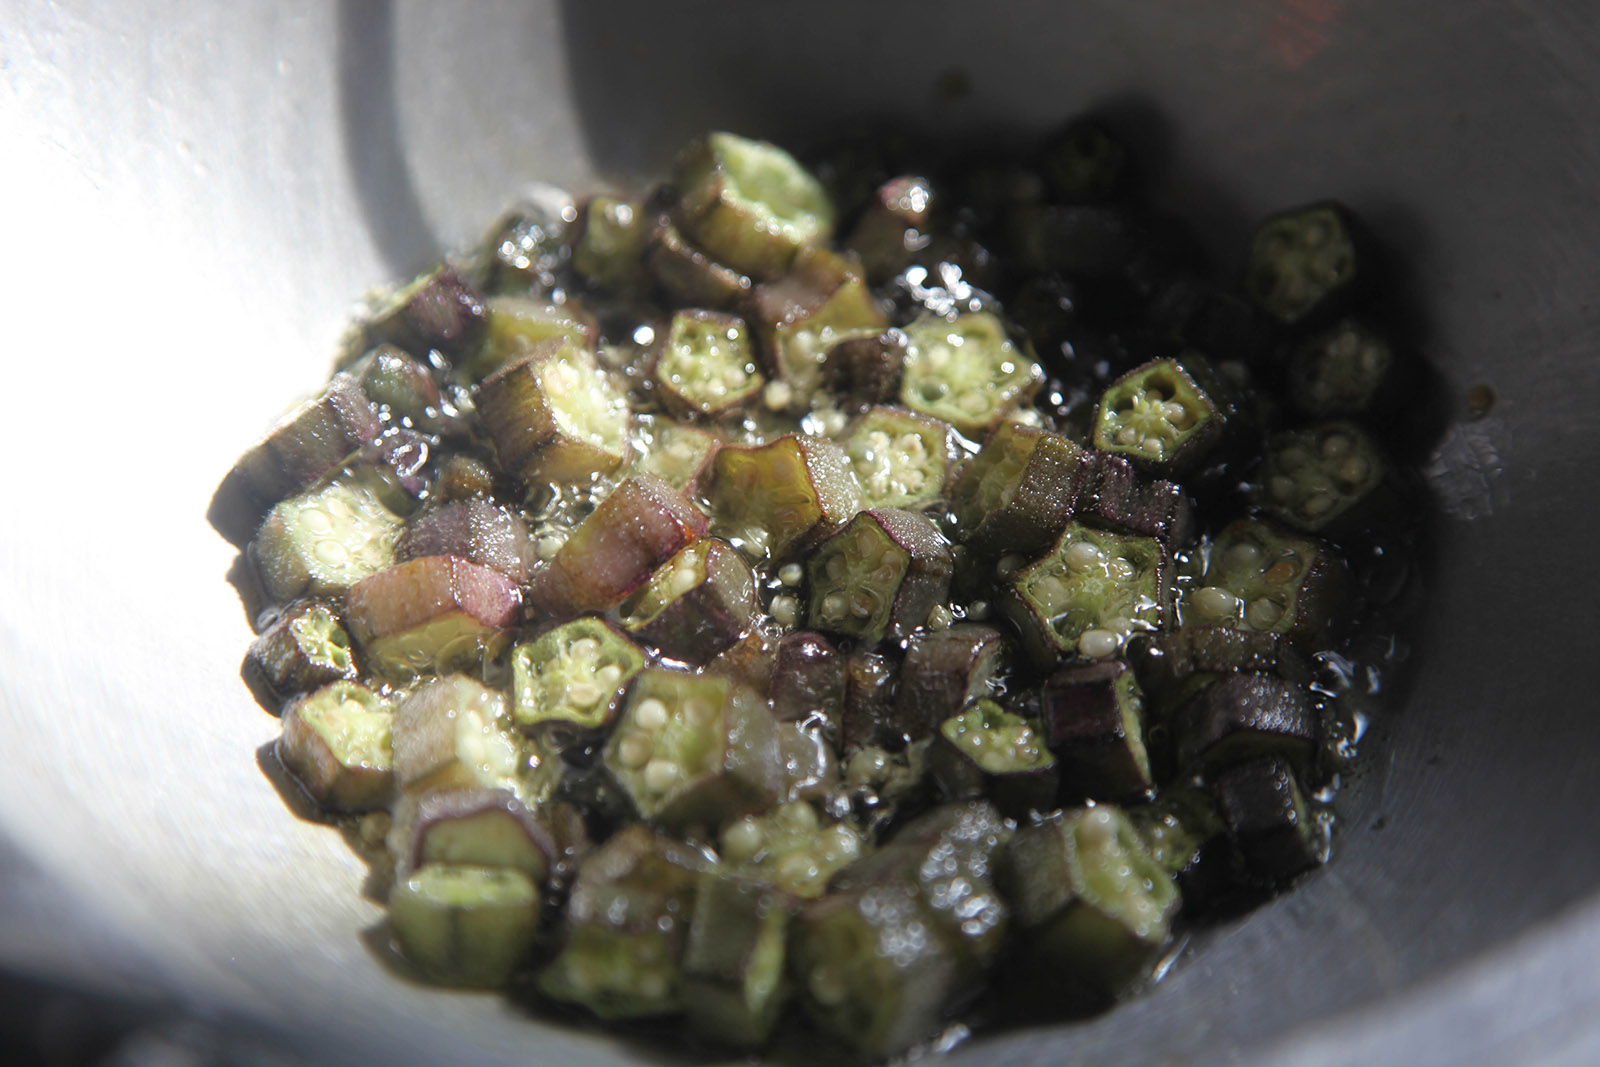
point(835, 594)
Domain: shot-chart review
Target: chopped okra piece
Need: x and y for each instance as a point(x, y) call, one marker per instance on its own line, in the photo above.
point(454, 733)
point(1305, 263)
point(863, 370)
point(1096, 909)
point(1273, 830)
point(402, 387)
point(625, 925)
point(808, 678)
point(1166, 415)
point(893, 228)
point(808, 758)
point(679, 455)
point(1348, 371)
point(529, 246)
point(304, 648)
point(640, 525)
point(1118, 496)
point(696, 604)
point(1261, 577)
point(734, 981)
point(336, 743)
point(439, 311)
point(879, 575)
point(324, 542)
point(791, 848)
point(944, 670)
point(1094, 723)
point(688, 275)
point(555, 416)
point(804, 314)
point(1175, 664)
point(694, 750)
point(870, 716)
point(570, 679)
point(474, 530)
point(966, 371)
point(706, 364)
point(479, 828)
point(1243, 715)
point(749, 204)
point(608, 249)
point(900, 459)
point(519, 326)
point(1184, 833)
point(783, 495)
point(463, 477)
point(1328, 478)
point(1084, 163)
point(431, 616)
point(1017, 494)
point(988, 752)
point(470, 926)
point(1088, 595)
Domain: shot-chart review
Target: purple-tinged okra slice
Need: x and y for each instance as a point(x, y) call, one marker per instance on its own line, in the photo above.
point(567, 683)
point(464, 476)
point(1093, 718)
point(775, 498)
point(640, 525)
point(801, 316)
point(440, 311)
point(479, 828)
point(893, 228)
point(686, 274)
point(1329, 479)
point(474, 530)
point(431, 616)
point(734, 981)
point(625, 925)
point(1177, 663)
point(555, 416)
point(944, 671)
point(1244, 715)
point(403, 388)
point(1307, 263)
point(324, 542)
point(880, 575)
point(697, 603)
point(1274, 832)
point(705, 365)
point(694, 750)
point(1166, 416)
point(864, 370)
point(527, 249)
point(1089, 594)
point(304, 648)
point(1018, 493)
point(749, 204)
point(336, 743)
point(870, 716)
point(808, 678)
point(1184, 833)
point(1262, 577)
point(966, 371)
point(455, 733)
point(899, 458)
point(464, 925)
point(1115, 494)
point(519, 326)
point(678, 454)
point(985, 751)
point(1348, 371)
point(608, 248)
point(791, 848)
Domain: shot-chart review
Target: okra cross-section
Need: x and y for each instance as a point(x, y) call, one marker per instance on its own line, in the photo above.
point(696, 604)
point(789, 847)
point(336, 742)
point(608, 249)
point(694, 750)
point(776, 497)
point(1347, 371)
point(987, 751)
point(571, 678)
point(554, 416)
point(478, 828)
point(454, 733)
point(800, 317)
point(464, 925)
point(519, 326)
point(431, 616)
point(323, 542)
point(1019, 492)
point(1088, 595)
point(1304, 262)
point(678, 454)
point(1323, 478)
point(880, 575)
point(734, 985)
point(966, 371)
point(1165, 415)
point(1264, 578)
point(706, 364)
point(305, 648)
point(900, 459)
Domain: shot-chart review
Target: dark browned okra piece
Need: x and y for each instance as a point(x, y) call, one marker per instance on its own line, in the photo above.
point(944, 670)
point(696, 604)
point(893, 228)
point(304, 648)
point(1093, 718)
point(1116, 494)
point(431, 616)
point(1243, 715)
point(1274, 832)
point(1018, 493)
point(863, 370)
point(808, 678)
point(439, 311)
point(474, 530)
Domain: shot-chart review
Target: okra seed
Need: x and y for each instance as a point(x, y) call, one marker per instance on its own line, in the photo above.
point(635, 749)
point(797, 868)
point(1127, 436)
point(791, 574)
point(1318, 504)
point(584, 694)
point(1335, 446)
point(777, 395)
point(1353, 470)
point(315, 520)
point(799, 815)
point(786, 610)
point(585, 649)
point(660, 775)
point(549, 545)
point(651, 714)
point(1121, 569)
point(742, 841)
point(1213, 602)
point(833, 606)
point(1263, 613)
point(1008, 565)
point(697, 713)
point(867, 766)
point(684, 579)
point(1282, 487)
point(1098, 644)
point(862, 604)
point(1282, 571)
point(1083, 556)
point(1154, 446)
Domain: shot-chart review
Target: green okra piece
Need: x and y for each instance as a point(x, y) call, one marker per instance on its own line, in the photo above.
point(1347, 371)
point(775, 498)
point(439, 311)
point(1167, 415)
point(862, 370)
point(894, 227)
point(1307, 263)
point(432, 616)
point(791, 848)
point(882, 574)
point(686, 274)
point(1274, 832)
point(899, 458)
point(337, 743)
point(678, 454)
point(1262, 577)
point(568, 682)
point(697, 603)
point(1328, 479)
point(518, 326)
point(985, 751)
point(474, 530)
point(735, 984)
point(705, 365)
point(1243, 715)
point(1093, 720)
point(608, 249)
point(966, 371)
point(801, 316)
point(943, 672)
point(469, 926)
point(304, 648)
point(1018, 493)
point(478, 828)
point(323, 542)
point(455, 733)
point(403, 388)
point(554, 415)
point(1184, 833)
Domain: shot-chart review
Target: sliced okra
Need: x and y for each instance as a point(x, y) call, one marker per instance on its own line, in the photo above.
point(986, 751)
point(1166, 415)
point(734, 981)
point(678, 454)
point(528, 248)
point(454, 733)
point(403, 388)
point(1093, 719)
point(568, 682)
point(1089, 594)
point(474, 530)
point(1018, 493)
point(336, 743)
point(694, 750)
point(808, 758)
point(870, 709)
point(808, 678)
point(879, 575)
point(966, 371)
point(638, 526)
point(1117, 495)
point(706, 365)
point(1243, 715)
point(304, 648)
point(686, 274)
point(791, 848)
point(1175, 664)
point(1306, 263)
point(863, 370)
point(1274, 832)
point(748, 203)
point(1184, 833)
point(1085, 163)
point(470, 926)
point(1348, 371)
point(608, 248)
point(1261, 577)
point(696, 604)
point(518, 326)
point(479, 828)
point(324, 542)
point(801, 316)
point(624, 928)
point(1328, 479)
point(431, 616)
point(894, 227)
point(554, 415)
point(900, 459)
point(944, 671)
point(783, 495)
point(440, 311)
point(462, 477)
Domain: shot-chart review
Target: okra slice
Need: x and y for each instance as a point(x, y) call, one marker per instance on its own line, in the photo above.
point(808, 678)
point(1243, 715)
point(469, 926)
point(432, 616)
point(1305, 263)
point(518, 326)
point(462, 477)
point(686, 274)
point(775, 498)
point(324, 542)
point(625, 925)
point(791, 848)
point(706, 364)
point(1115, 494)
point(870, 716)
point(608, 249)
point(439, 311)
point(529, 246)
point(454, 733)
point(1088, 595)
point(1348, 371)
point(403, 388)
point(1176, 664)
point(900, 459)
point(824, 300)
point(1094, 722)
point(944, 671)
point(569, 680)
point(694, 750)
point(1166, 415)
point(986, 751)
point(480, 828)
point(1094, 906)
point(679, 455)
point(894, 227)
point(1261, 577)
point(554, 415)
point(808, 759)
point(336, 743)
point(1273, 830)
point(966, 371)
point(880, 575)
point(474, 530)
point(306, 647)
point(640, 525)
point(1085, 163)
point(1184, 833)
point(748, 203)
point(1018, 493)
point(1327, 478)
point(863, 370)
point(734, 981)
point(696, 604)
